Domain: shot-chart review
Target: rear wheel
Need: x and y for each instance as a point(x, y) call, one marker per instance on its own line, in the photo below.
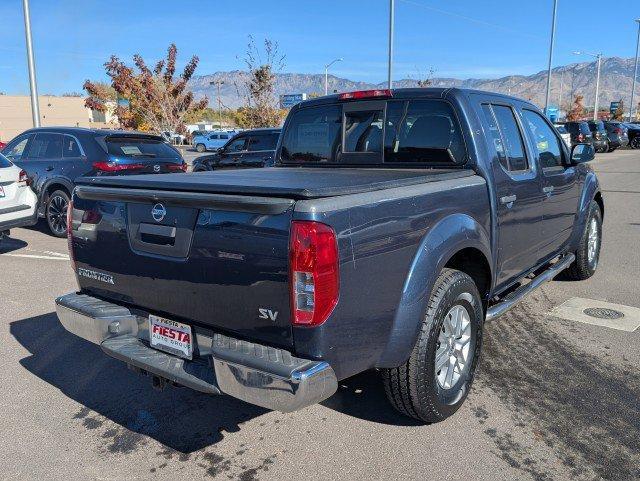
point(435, 381)
point(635, 142)
point(56, 213)
point(588, 253)
point(200, 148)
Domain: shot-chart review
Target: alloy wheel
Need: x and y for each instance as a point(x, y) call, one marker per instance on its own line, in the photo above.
point(452, 353)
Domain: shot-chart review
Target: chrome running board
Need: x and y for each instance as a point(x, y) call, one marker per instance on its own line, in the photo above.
point(521, 292)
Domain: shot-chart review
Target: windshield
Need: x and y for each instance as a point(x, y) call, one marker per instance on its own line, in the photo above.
point(133, 147)
point(597, 126)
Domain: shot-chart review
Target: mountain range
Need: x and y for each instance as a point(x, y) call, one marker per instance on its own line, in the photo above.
point(567, 82)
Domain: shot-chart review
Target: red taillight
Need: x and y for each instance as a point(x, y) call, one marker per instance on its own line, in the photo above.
point(618, 131)
point(313, 258)
point(178, 167)
point(70, 234)
point(23, 178)
point(114, 167)
point(580, 137)
point(91, 217)
point(365, 94)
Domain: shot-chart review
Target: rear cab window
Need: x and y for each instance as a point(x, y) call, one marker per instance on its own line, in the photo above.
point(418, 132)
point(139, 147)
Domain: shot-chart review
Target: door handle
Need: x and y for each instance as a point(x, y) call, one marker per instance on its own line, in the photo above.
point(548, 190)
point(49, 168)
point(508, 199)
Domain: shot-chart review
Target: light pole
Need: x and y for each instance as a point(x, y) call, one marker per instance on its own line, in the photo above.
point(390, 61)
point(635, 74)
point(326, 74)
point(218, 83)
point(553, 34)
point(597, 56)
point(35, 109)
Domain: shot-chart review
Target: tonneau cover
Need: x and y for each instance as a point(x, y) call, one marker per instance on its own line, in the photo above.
point(289, 182)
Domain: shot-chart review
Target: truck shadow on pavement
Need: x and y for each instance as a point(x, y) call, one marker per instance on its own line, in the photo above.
point(10, 244)
point(582, 408)
point(179, 418)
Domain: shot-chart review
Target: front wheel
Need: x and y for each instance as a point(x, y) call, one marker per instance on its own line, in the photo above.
point(200, 148)
point(56, 213)
point(588, 253)
point(635, 142)
point(435, 380)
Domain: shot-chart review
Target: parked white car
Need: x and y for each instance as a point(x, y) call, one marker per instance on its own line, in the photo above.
point(18, 203)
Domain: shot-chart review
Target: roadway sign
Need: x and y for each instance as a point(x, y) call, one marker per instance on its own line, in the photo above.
point(289, 100)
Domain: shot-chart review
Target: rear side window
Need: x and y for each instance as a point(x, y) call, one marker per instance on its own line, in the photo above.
point(4, 162)
point(546, 142)
point(313, 135)
point(262, 142)
point(70, 148)
point(46, 146)
point(424, 131)
point(496, 136)
point(138, 147)
point(511, 138)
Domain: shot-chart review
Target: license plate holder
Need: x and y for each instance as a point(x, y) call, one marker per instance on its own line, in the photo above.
point(171, 336)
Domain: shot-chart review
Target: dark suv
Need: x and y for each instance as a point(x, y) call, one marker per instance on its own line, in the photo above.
point(54, 157)
point(617, 134)
point(251, 148)
point(599, 133)
point(580, 132)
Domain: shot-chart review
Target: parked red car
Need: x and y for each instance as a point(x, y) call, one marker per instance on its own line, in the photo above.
point(2, 144)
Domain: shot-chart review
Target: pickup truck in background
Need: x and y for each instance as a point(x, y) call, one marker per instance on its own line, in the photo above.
point(394, 223)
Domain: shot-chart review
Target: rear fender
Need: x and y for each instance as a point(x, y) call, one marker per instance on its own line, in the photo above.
point(441, 243)
point(53, 184)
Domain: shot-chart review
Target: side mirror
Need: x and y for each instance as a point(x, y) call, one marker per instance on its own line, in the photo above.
point(582, 153)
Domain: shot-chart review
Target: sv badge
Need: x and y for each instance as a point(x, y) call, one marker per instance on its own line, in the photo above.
point(268, 314)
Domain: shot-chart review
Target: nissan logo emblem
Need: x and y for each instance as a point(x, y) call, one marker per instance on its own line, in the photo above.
point(156, 168)
point(158, 212)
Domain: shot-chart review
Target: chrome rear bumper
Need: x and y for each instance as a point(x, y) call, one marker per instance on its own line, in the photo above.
point(261, 375)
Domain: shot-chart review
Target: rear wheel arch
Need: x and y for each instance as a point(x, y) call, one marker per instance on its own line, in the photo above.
point(457, 241)
point(598, 199)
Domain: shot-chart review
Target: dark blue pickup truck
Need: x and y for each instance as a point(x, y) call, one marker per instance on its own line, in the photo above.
point(392, 226)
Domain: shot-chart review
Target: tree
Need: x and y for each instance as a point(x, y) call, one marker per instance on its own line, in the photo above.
point(153, 99)
point(258, 89)
point(618, 114)
point(577, 109)
point(427, 81)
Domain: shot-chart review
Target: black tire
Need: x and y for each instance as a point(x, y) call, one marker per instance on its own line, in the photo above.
point(56, 213)
point(200, 148)
point(585, 266)
point(606, 148)
point(635, 142)
point(611, 149)
point(413, 388)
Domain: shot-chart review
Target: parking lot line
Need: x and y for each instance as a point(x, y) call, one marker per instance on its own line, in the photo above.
point(58, 257)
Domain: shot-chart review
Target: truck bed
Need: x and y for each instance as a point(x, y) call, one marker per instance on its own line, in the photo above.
point(288, 182)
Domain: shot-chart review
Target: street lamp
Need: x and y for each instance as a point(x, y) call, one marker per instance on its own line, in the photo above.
point(597, 56)
point(218, 82)
point(33, 86)
point(553, 33)
point(635, 73)
point(326, 74)
point(390, 60)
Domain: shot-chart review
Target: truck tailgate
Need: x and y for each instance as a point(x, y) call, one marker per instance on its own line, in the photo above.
point(214, 261)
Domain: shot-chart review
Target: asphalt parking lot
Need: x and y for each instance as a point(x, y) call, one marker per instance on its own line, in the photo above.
point(553, 399)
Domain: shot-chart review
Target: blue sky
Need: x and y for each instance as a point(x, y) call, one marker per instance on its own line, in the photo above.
point(465, 38)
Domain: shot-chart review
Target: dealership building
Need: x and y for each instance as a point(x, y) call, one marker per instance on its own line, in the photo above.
point(15, 114)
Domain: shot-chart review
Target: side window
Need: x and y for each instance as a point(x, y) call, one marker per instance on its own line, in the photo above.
point(16, 147)
point(236, 145)
point(46, 146)
point(425, 131)
point(512, 138)
point(496, 136)
point(70, 148)
point(262, 142)
point(224, 136)
point(547, 143)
